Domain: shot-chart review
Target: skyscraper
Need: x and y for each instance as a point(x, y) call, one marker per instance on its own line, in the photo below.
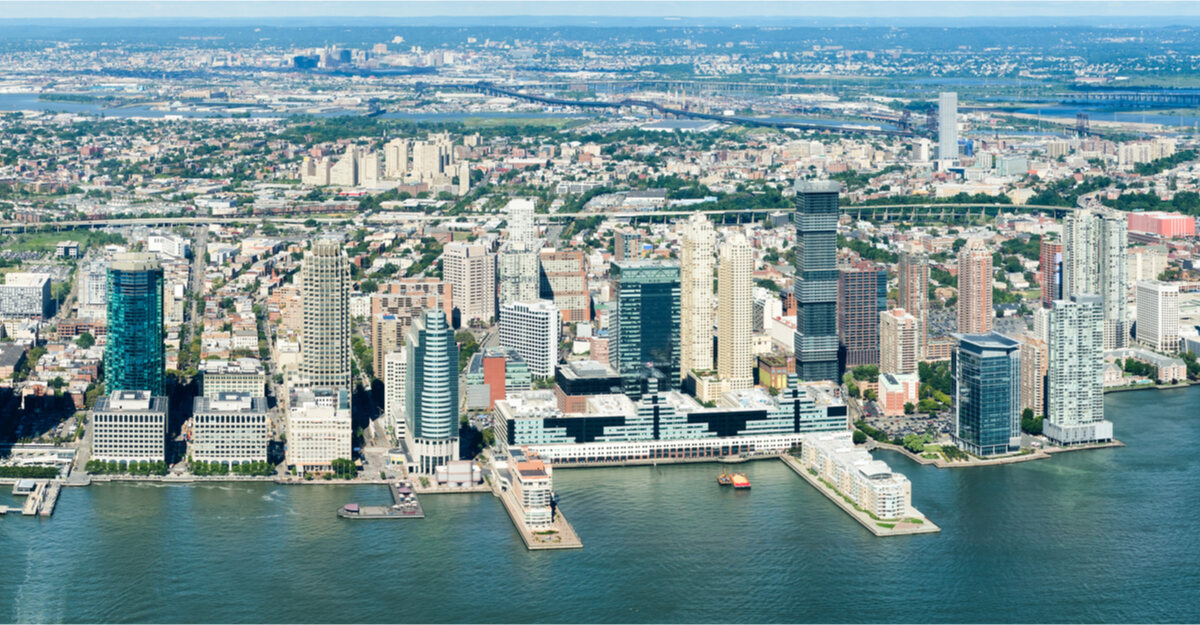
point(1050, 266)
point(1094, 263)
point(431, 392)
point(532, 329)
point(1035, 362)
point(325, 337)
point(517, 263)
point(862, 295)
point(987, 393)
point(1075, 385)
point(696, 296)
point(816, 341)
point(914, 290)
point(735, 359)
point(974, 288)
point(948, 126)
point(645, 324)
point(898, 340)
point(1158, 315)
point(471, 271)
point(134, 357)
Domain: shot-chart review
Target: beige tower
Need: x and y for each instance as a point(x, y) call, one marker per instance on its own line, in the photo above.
point(696, 295)
point(325, 338)
point(471, 271)
point(735, 304)
point(899, 341)
point(974, 288)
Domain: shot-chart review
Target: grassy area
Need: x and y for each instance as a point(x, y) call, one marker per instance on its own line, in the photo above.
point(47, 241)
point(886, 525)
point(556, 123)
point(912, 520)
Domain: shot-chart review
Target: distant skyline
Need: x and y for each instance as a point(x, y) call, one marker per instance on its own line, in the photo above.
point(728, 11)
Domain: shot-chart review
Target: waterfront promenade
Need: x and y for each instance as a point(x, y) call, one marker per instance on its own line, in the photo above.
point(940, 462)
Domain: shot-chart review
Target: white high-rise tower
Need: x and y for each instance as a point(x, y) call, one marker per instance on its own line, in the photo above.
point(1075, 391)
point(696, 296)
point(948, 126)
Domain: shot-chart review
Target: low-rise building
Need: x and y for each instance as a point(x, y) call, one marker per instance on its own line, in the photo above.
point(229, 428)
point(26, 295)
point(129, 426)
point(896, 390)
point(244, 375)
point(318, 429)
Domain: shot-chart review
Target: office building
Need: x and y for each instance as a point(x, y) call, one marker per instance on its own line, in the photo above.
point(533, 329)
point(974, 288)
point(696, 296)
point(229, 428)
point(520, 221)
point(914, 290)
point(431, 392)
point(868, 483)
point(862, 295)
point(244, 375)
point(1158, 315)
point(494, 373)
point(564, 281)
point(816, 284)
point(129, 426)
point(667, 424)
point(134, 357)
point(26, 295)
point(948, 126)
point(987, 394)
point(898, 342)
point(1075, 376)
point(1035, 366)
point(644, 322)
point(528, 478)
point(319, 429)
point(577, 381)
point(325, 297)
point(735, 358)
point(471, 271)
point(1094, 263)
point(1050, 266)
point(898, 390)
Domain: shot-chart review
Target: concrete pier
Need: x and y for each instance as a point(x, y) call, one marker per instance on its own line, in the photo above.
point(401, 508)
point(913, 521)
point(558, 535)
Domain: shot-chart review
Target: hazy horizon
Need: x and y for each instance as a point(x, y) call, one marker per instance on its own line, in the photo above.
point(756, 11)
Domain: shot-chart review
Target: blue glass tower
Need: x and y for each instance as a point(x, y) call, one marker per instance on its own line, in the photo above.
point(816, 286)
point(431, 391)
point(645, 325)
point(987, 393)
point(134, 357)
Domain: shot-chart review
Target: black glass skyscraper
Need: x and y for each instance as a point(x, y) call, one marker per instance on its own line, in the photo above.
point(645, 324)
point(816, 287)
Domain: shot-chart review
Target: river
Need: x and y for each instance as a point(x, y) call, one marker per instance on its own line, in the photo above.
point(1090, 536)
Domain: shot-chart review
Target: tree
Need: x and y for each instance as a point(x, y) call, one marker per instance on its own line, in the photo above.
point(343, 468)
point(909, 408)
point(859, 437)
point(85, 340)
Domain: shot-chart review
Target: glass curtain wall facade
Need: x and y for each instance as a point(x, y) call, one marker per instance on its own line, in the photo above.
point(816, 285)
point(134, 357)
point(987, 393)
point(645, 324)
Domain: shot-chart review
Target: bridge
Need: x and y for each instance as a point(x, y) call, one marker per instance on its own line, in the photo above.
point(491, 89)
point(877, 212)
point(1141, 99)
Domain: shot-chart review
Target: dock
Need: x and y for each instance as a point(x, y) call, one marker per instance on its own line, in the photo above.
point(42, 500)
point(405, 505)
point(913, 521)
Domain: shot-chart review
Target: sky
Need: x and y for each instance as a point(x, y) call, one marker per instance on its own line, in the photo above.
point(726, 9)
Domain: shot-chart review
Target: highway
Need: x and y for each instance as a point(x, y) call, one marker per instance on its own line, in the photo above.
point(383, 216)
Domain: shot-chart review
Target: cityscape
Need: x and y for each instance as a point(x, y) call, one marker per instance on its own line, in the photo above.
point(656, 312)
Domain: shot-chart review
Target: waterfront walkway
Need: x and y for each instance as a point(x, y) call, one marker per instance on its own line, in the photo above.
point(940, 461)
point(913, 522)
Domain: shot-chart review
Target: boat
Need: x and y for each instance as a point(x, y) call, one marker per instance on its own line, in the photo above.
point(724, 479)
point(740, 480)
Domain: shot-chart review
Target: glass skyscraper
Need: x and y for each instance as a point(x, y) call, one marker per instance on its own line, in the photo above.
point(134, 357)
point(431, 391)
point(816, 286)
point(645, 324)
point(987, 393)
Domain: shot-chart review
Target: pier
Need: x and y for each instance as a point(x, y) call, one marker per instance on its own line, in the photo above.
point(913, 521)
point(405, 505)
point(42, 500)
point(558, 535)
